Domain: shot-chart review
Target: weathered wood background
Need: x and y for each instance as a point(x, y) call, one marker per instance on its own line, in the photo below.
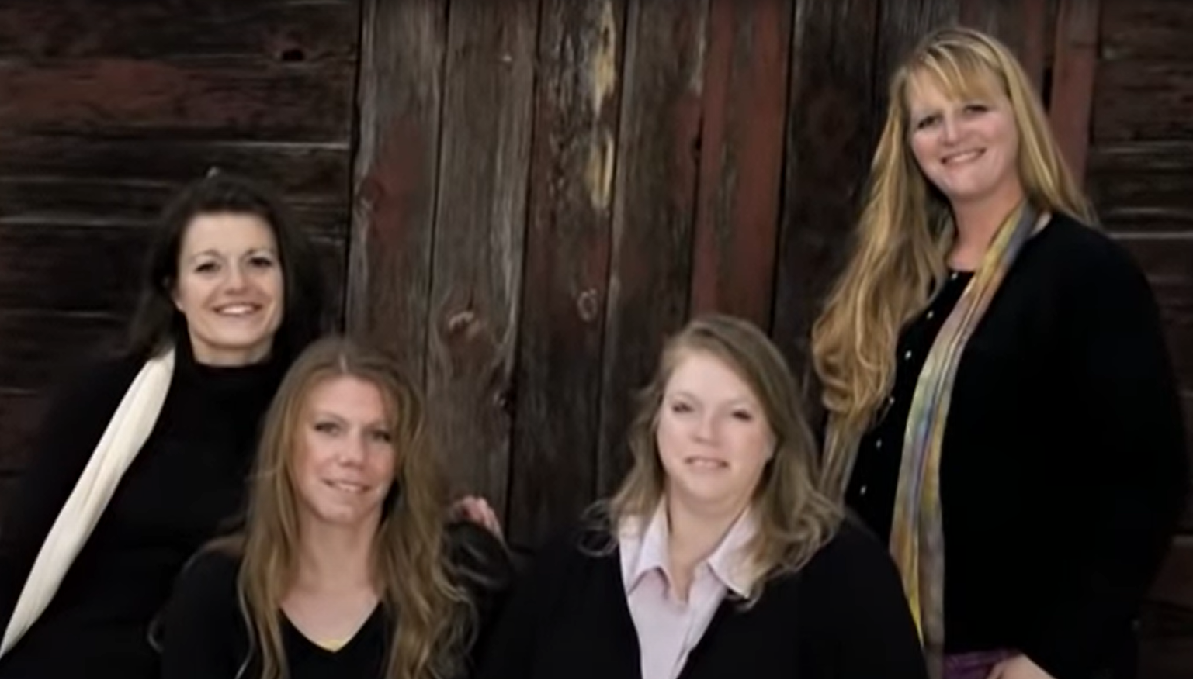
point(523, 197)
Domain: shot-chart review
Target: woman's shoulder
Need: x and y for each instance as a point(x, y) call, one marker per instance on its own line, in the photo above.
point(853, 551)
point(212, 571)
point(1085, 251)
point(94, 382)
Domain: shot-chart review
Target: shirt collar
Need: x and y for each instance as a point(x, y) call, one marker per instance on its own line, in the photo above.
point(643, 549)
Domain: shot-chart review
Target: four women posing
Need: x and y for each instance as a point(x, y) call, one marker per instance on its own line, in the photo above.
point(1002, 460)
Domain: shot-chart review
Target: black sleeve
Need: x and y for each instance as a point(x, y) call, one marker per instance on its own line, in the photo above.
point(77, 412)
point(857, 598)
point(202, 633)
point(485, 570)
point(511, 647)
point(1125, 384)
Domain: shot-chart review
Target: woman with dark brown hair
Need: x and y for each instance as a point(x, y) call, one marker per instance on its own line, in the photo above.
point(348, 565)
point(142, 456)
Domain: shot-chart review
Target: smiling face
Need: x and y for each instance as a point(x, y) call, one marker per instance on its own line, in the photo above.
point(229, 288)
point(713, 437)
point(345, 462)
point(966, 146)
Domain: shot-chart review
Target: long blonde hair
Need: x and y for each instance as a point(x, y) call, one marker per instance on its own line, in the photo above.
point(906, 227)
point(794, 518)
point(414, 578)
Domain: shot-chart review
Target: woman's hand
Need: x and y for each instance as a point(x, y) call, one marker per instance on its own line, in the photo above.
point(477, 510)
point(1019, 667)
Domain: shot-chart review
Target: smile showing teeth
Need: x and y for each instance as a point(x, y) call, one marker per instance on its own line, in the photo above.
point(961, 157)
point(345, 487)
point(236, 309)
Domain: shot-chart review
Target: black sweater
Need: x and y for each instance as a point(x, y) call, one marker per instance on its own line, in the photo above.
point(205, 636)
point(187, 480)
point(843, 616)
point(1064, 468)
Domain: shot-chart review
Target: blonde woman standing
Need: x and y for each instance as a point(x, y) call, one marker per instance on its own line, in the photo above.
point(1001, 405)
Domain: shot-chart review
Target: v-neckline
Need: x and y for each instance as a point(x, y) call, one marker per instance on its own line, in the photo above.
point(312, 646)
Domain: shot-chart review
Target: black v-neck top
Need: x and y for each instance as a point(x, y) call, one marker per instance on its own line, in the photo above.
point(204, 635)
point(362, 655)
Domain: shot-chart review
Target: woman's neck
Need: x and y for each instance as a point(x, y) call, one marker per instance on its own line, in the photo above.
point(332, 559)
point(693, 534)
point(977, 223)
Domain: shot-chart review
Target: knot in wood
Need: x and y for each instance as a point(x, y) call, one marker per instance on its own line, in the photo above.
point(586, 305)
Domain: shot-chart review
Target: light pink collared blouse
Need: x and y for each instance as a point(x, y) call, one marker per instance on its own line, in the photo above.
point(668, 628)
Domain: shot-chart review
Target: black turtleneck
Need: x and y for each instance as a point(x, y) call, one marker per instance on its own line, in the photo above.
point(184, 487)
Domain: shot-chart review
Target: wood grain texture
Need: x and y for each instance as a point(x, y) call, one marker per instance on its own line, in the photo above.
point(479, 237)
point(1021, 24)
point(902, 24)
point(1143, 101)
point(1146, 30)
point(557, 400)
point(37, 342)
point(741, 159)
point(1143, 186)
point(658, 161)
point(300, 170)
point(287, 30)
point(400, 99)
point(828, 150)
point(1074, 63)
point(179, 99)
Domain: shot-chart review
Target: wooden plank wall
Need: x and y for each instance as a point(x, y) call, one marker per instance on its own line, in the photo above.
point(105, 109)
point(1139, 169)
point(523, 198)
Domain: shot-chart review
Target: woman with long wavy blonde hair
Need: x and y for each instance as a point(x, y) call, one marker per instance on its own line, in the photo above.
point(998, 393)
point(347, 565)
point(718, 556)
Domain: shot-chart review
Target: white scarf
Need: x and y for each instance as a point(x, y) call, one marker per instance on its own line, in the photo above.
point(122, 440)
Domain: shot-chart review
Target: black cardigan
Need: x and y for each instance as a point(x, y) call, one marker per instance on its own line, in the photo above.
point(1064, 468)
point(843, 616)
point(187, 480)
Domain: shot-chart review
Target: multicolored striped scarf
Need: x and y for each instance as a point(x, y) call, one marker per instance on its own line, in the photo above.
point(917, 534)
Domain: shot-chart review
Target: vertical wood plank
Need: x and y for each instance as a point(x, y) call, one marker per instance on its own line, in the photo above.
point(1021, 24)
point(394, 174)
point(1075, 61)
point(653, 207)
point(556, 420)
point(479, 234)
point(741, 159)
point(902, 24)
point(828, 151)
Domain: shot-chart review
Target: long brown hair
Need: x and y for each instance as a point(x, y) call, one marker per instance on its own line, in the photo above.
point(906, 227)
point(414, 577)
point(794, 518)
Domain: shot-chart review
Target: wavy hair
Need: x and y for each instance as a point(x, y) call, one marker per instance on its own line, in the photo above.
point(415, 578)
point(794, 518)
point(906, 226)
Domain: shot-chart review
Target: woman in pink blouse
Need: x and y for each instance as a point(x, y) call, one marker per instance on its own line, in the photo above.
point(717, 557)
